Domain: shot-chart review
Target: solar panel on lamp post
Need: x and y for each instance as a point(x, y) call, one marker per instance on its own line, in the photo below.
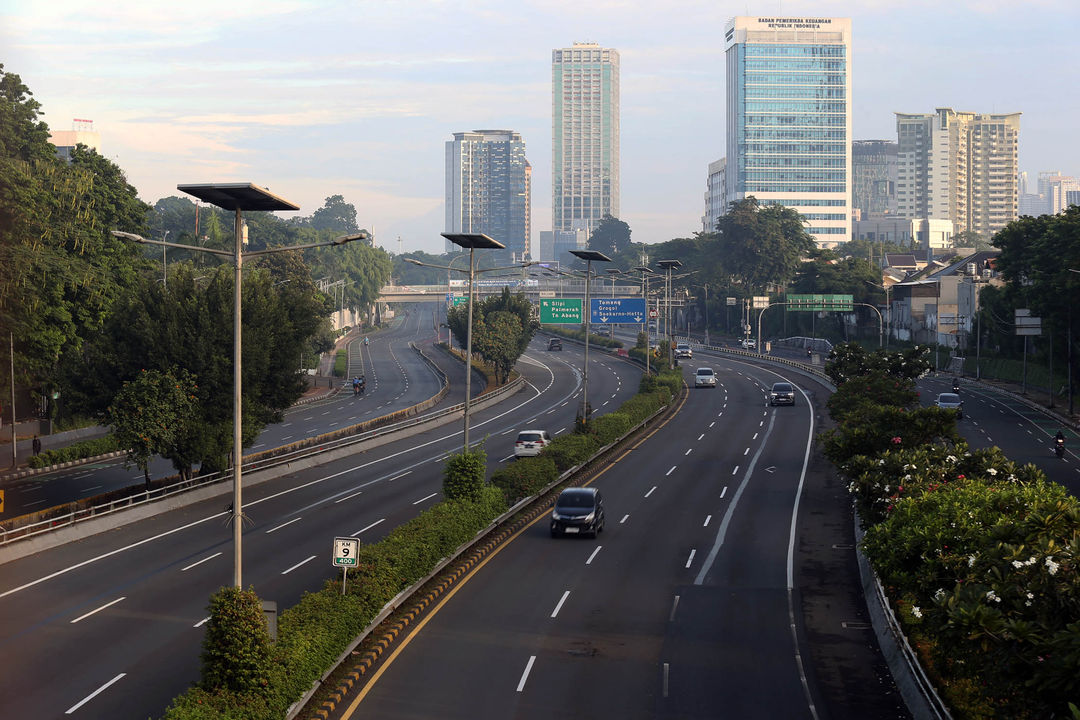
point(669, 265)
point(588, 256)
point(238, 197)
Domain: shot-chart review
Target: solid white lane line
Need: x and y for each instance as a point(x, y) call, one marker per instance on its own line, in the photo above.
point(425, 498)
point(671, 470)
point(624, 519)
point(367, 528)
point(200, 562)
point(349, 497)
point(202, 622)
point(525, 675)
point(93, 695)
point(593, 555)
point(723, 492)
point(691, 558)
point(558, 605)
point(650, 491)
point(290, 522)
point(109, 604)
point(302, 562)
point(707, 519)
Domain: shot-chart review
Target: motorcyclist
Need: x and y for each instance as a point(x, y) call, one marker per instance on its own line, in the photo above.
point(1059, 443)
point(362, 384)
point(356, 385)
point(955, 385)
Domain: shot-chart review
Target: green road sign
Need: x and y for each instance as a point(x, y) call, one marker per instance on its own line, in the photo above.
point(461, 300)
point(820, 303)
point(563, 311)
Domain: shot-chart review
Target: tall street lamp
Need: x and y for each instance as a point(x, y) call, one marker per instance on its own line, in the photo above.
point(888, 309)
point(668, 265)
point(588, 256)
point(645, 273)
point(238, 197)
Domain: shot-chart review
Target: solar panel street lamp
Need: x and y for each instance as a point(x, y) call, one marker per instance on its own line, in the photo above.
point(588, 256)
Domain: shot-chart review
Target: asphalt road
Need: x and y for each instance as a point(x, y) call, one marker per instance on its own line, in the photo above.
point(111, 626)
point(709, 594)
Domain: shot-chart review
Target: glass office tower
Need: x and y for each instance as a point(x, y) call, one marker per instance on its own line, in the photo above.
point(584, 136)
point(789, 118)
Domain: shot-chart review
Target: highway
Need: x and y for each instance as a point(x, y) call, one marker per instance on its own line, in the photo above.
point(697, 601)
point(396, 378)
point(111, 626)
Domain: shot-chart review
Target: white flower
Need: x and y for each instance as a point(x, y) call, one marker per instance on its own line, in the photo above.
point(991, 595)
point(940, 594)
point(951, 458)
point(1031, 596)
point(1051, 566)
point(992, 471)
point(916, 611)
point(971, 560)
point(881, 461)
point(1017, 564)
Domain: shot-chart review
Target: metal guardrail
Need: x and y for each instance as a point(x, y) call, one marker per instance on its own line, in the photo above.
point(73, 513)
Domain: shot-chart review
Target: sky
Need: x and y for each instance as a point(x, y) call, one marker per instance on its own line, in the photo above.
point(313, 99)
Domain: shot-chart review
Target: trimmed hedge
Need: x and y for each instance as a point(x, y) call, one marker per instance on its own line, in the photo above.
point(341, 362)
point(524, 477)
point(75, 451)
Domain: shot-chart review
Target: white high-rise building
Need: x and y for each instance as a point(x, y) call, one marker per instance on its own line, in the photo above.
point(1055, 188)
point(715, 195)
point(959, 166)
point(789, 118)
point(584, 136)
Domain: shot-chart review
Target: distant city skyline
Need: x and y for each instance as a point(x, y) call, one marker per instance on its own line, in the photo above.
point(313, 101)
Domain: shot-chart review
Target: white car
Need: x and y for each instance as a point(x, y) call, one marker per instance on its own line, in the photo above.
point(682, 350)
point(748, 343)
point(705, 377)
point(950, 401)
point(531, 442)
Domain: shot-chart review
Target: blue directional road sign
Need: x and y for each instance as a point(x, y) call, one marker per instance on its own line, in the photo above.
point(607, 311)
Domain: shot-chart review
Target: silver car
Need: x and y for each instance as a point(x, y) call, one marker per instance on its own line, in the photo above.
point(950, 401)
point(705, 377)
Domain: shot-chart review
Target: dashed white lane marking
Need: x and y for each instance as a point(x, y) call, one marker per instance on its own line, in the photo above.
point(735, 470)
point(624, 519)
point(691, 558)
point(425, 498)
point(723, 492)
point(302, 562)
point(707, 519)
point(367, 528)
point(93, 695)
point(651, 491)
point(755, 436)
point(593, 555)
point(701, 436)
point(671, 470)
point(290, 522)
point(688, 451)
point(712, 423)
point(199, 562)
point(746, 452)
point(106, 605)
point(525, 675)
point(202, 622)
point(348, 497)
point(558, 605)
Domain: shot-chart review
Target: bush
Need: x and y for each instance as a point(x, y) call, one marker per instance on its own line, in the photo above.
point(524, 477)
point(609, 428)
point(568, 451)
point(463, 475)
point(874, 429)
point(341, 363)
point(236, 648)
point(75, 451)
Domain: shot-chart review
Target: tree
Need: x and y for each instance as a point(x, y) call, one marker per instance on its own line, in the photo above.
point(611, 236)
point(236, 653)
point(502, 329)
point(761, 245)
point(335, 215)
point(151, 414)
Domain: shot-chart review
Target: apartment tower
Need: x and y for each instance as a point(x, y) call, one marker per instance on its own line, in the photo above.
point(789, 118)
point(488, 185)
point(584, 136)
point(959, 166)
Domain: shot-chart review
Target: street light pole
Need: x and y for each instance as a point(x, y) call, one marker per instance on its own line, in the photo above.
point(588, 256)
point(669, 265)
point(238, 197)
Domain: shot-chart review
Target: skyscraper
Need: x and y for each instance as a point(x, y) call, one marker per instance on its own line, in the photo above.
point(488, 182)
point(789, 118)
point(584, 136)
point(873, 177)
point(959, 166)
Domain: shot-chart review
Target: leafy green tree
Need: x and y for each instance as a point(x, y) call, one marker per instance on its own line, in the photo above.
point(150, 414)
point(761, 245)
point(463, 474)
point(502, 328)
point(335, 215)
point(849, 361)
point(611, 236)
point(237, 653)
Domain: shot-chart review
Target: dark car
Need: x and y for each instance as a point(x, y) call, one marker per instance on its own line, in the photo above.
point(578, 511)
point(782, 393)
point(554, 344)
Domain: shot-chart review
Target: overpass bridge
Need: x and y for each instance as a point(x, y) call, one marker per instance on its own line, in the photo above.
point(533, 289)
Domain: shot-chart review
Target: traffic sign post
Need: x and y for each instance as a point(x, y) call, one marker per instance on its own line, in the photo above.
point(608, 311)
point(346, 552)
point(560, 311)
point(820, 303)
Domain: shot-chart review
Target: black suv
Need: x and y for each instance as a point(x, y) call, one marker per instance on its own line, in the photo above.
point(554, 344)
point(578, 511)
point(782, 393)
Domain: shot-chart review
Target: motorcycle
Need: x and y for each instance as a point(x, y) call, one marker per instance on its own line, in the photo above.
point(956, 386)
point(1059, 447)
